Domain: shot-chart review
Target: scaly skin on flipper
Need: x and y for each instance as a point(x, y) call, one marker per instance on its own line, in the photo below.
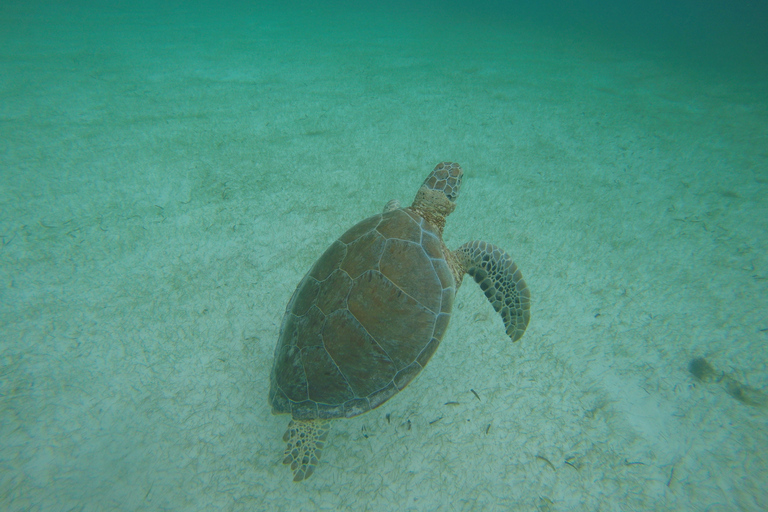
point(304, 445)
point(501, 281)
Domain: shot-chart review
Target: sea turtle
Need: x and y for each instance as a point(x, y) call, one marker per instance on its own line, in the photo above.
point(372, 310)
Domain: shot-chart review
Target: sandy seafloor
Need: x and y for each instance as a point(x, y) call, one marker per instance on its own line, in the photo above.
point(168, 174)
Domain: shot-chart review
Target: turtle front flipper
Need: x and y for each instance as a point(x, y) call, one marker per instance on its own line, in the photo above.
point(501, 281)
point(305, 440)
point(392, 205)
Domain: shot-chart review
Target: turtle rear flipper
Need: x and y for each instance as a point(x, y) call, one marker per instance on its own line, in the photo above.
point(305, 440)
point(501, 281)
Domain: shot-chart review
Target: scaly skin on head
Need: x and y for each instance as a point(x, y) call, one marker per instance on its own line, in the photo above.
point(436, 198)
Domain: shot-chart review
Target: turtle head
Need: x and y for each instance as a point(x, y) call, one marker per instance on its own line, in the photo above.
point(445, 178)
point(436, 198)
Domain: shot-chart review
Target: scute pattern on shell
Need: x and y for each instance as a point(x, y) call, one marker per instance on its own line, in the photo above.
point(364, 320)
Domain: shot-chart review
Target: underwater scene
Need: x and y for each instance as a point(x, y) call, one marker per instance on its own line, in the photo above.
point(375, 256)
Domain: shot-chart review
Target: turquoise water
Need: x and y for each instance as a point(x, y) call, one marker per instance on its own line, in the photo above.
point(169, 173)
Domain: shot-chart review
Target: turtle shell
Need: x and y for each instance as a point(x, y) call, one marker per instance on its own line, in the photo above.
point(364, 320)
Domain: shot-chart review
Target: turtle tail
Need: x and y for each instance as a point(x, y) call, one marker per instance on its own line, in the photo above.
point(501, 281)
point(304, 445)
